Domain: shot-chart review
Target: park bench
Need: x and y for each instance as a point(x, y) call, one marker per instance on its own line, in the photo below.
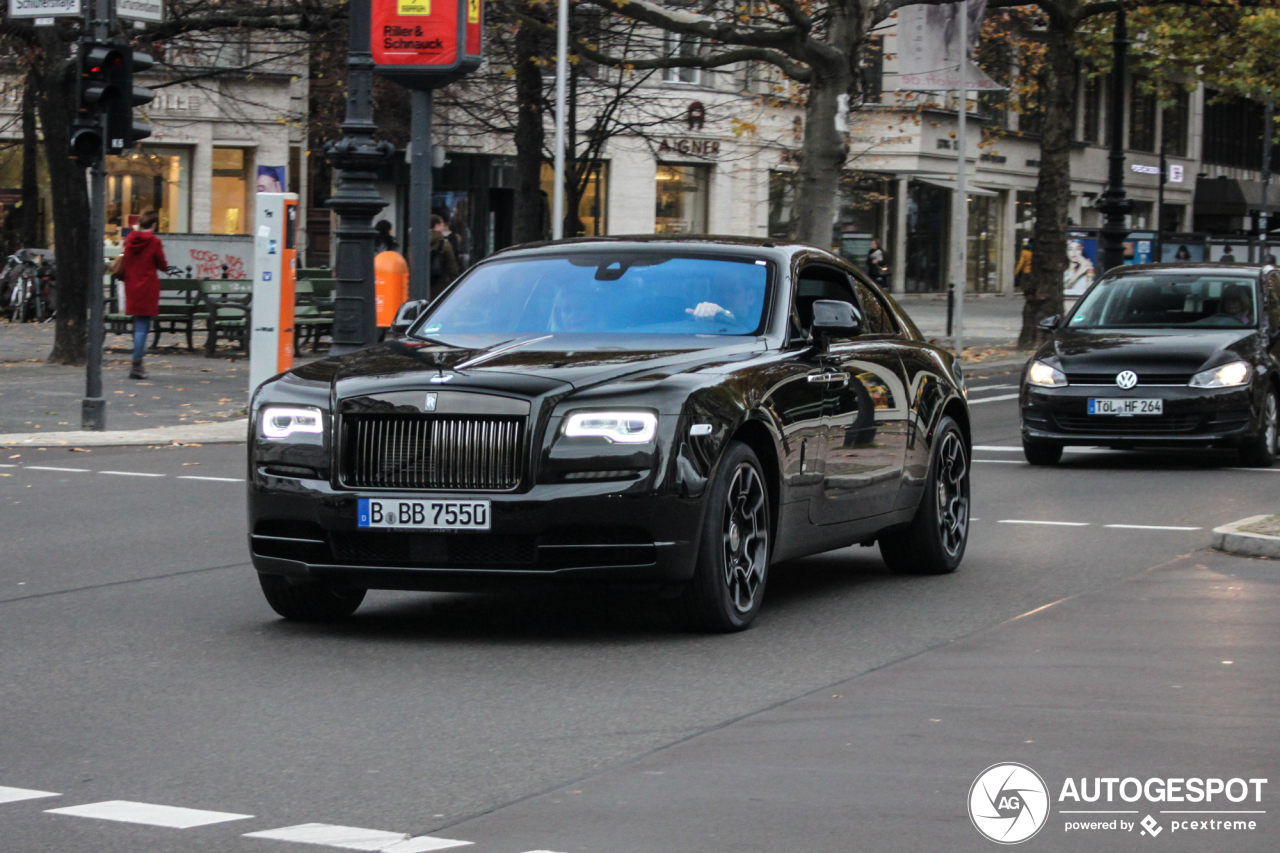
point(227, 304)
point(181, 308)
point(312, 311)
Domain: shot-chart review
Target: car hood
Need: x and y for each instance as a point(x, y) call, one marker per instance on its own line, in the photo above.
point(527, 364)
point(1152, 351)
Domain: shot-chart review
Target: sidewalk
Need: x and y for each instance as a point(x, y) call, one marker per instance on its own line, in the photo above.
point(989, 321)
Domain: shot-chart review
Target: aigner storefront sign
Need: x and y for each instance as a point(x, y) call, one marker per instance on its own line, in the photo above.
point(685, 145)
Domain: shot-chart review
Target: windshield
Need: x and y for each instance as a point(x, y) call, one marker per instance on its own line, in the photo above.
point(605, 294)
point(1208, 300)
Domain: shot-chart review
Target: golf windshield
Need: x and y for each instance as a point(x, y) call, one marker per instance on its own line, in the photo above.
point(1208, 300)
point(605, 294)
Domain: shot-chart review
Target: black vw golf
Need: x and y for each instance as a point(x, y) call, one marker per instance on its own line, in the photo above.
point(1160, 355)
point(666, 413)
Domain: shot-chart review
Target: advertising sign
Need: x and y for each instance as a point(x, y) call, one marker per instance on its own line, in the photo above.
point(151, 11)
point(43, 8)
point(426, 43)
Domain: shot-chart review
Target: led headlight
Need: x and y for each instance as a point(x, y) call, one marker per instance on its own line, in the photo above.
point(1226, 376)
point(283, 421)
point(621, 427)
point(1046, 375)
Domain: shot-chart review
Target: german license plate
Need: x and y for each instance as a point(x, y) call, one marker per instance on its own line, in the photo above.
point(1124, 406)
point(423, 514)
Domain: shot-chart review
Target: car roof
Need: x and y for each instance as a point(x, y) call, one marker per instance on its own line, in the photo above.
point(1201, 267)
point(729, 245)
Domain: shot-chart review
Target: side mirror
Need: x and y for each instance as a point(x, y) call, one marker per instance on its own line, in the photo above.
point(833, 318)
point(406, 314)
point(1049, 324)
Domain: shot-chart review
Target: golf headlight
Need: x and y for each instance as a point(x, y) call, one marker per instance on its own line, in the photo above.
point(1046, 375)
point(1226, 376)
point(620, 427)
point(279, 422)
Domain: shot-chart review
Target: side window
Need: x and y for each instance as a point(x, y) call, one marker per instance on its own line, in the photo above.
point(818, 282)
point(879, 320)
point(1273, 299)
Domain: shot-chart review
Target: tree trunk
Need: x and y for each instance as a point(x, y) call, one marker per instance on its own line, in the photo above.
point(1053, 191)
point(70, 193)
point(531, 220)
point(30, 228)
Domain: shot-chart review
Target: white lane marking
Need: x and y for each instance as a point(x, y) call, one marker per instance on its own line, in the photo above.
point(1054, 523)
point(998, 448)
point(354, 838)
point(989, 387)
point(212, 479)
point(131, 474)
point(1149, 527)
point(1260, 470)
point(13, 795)
point(994, 399)
point(1002, 461)
point(7, 465)
point(51, 468)
point(173, 817)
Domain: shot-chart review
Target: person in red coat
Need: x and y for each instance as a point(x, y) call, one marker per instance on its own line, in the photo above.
point(141, 262)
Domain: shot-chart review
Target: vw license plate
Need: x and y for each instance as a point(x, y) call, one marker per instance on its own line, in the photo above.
point(1125, 406)
point(423, 515)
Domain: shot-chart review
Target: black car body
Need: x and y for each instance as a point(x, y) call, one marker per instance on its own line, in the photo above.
point(840, 425)
point(1159, 332)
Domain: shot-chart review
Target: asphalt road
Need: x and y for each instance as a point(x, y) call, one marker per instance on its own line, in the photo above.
point(138, 663)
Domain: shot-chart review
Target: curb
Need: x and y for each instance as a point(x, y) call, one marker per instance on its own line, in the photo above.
point(222, 432)
point(1234, 540)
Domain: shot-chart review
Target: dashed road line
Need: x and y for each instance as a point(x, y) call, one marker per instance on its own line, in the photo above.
point(1002, 461)
point(14, 795)
point(355, 838)
point(124, 473)
point(990, 387)
point(131, 474)
point(1052, 523)
point(211, 479)
point(994, 399)
point(51, 468)
point(174, 817)
point(1150, 527)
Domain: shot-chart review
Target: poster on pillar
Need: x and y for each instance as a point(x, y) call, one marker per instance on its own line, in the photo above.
point(424, 44)
point(929, 48)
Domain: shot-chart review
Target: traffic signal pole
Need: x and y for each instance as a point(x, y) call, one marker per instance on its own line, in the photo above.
point(93, 408)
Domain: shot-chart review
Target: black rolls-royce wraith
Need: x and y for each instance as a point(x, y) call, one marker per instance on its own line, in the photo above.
point(678, 414)
point(1160, 355)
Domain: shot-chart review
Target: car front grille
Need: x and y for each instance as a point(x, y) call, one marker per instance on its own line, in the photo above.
point(434, 549)
point(1135, 425)
point(1143, 378)
point(430, 452)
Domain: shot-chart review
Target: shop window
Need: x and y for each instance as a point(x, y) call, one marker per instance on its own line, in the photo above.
point(983, 274)
point(928, 235)
point(295, 170)
point(1171, 217)
point(153, 178)
point(782, 196)
point(682, 199)
point(674, 44)
point(591, 206)
point(1174, 121)
point(229, 209)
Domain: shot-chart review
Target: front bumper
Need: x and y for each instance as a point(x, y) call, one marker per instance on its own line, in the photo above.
point(1192, 416)
point(611, 532)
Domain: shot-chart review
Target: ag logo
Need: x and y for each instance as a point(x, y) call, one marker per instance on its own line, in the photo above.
point(1008, 803)
point(1126, 379)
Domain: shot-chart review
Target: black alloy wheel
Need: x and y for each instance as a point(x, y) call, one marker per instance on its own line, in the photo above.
point(311, 601)
point(1260, 451)
point(1042, 452)
point(934, 542)
point(733, 557)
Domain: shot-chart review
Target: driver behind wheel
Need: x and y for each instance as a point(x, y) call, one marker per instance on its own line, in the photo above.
point(1236, 304)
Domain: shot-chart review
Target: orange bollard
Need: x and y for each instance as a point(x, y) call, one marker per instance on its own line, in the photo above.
point(391, 284)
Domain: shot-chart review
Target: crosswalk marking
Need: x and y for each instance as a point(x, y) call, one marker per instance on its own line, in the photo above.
point(355, 838)
point(13, 795)
point(148, 813)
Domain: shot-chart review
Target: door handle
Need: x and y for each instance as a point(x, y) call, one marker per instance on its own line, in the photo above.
point(829, 378)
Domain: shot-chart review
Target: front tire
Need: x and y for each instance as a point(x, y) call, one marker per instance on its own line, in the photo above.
point(733, 556)
point(1042, 452)
point(1260, 451)
point(311, 601)
point(934, 542)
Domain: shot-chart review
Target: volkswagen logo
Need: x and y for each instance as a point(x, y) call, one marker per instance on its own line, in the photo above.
point(1126, 379)
point(1008, 803)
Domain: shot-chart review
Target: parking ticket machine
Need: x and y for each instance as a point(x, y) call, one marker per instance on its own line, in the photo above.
point(274, 268)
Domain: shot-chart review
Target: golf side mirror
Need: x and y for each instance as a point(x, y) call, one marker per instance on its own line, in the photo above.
point(834, 318)
point(1049, 324)
point(406, 314)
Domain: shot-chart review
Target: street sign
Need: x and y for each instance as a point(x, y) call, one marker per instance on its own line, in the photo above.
point(148, 11)
point(43, 8)
point(423, 44)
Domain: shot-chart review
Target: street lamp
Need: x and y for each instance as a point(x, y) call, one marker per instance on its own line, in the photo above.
point(1113, 204)
point(357, 156)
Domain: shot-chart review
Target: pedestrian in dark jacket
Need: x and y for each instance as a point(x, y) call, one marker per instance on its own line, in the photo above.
point(444, 263)
point(140, 264)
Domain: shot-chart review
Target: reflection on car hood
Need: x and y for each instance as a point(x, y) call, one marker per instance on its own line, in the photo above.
point(1144, 350)
point(530, 364)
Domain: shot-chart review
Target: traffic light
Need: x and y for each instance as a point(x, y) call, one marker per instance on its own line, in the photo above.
point(122, 131)
point(99, 65)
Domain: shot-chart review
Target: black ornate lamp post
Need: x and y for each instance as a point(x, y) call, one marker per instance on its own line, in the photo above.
point(1113, 204)
point(357, 157)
